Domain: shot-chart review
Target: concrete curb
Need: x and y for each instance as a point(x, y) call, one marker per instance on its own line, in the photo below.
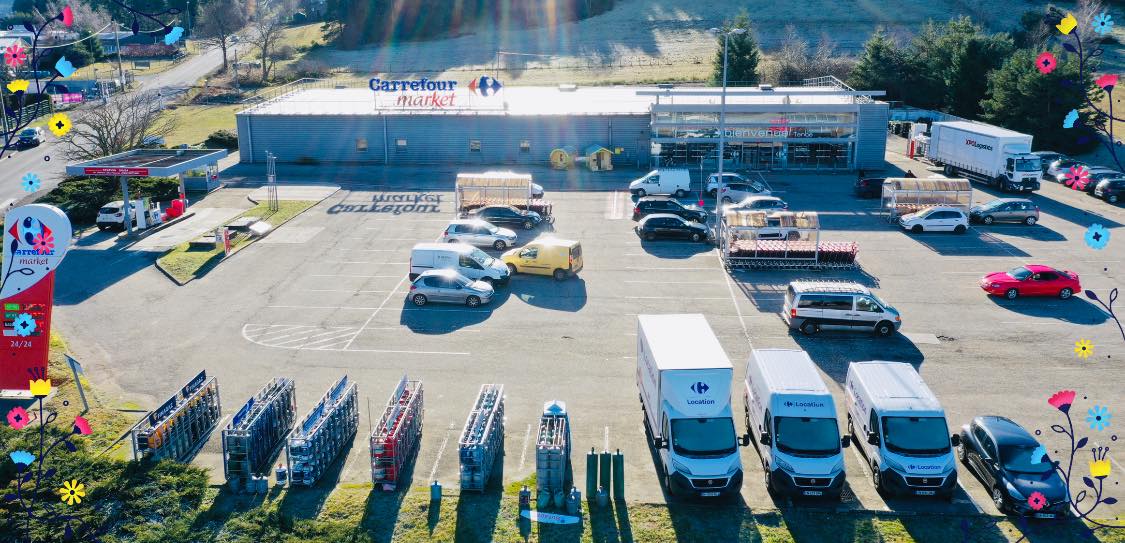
point(238, 250)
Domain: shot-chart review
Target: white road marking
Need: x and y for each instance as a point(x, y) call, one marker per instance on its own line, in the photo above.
point(319, 307)
point(352, 275)
point(862, 462)
point(675, 282)
point(444, 442)
point(647, 268)
point(674, 298)
point(347, 290)
point(971, 500)
point(606, 448)
point(523, 454)
point(734, 300)
point(376, 312)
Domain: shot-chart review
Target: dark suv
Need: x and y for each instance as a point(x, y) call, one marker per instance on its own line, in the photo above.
point(507, 216)
point(1110, 190)
point(664, 204)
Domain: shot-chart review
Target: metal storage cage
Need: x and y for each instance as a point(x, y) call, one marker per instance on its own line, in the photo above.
point(394, 440)
point(780, 240)
point(180, 427)
point(323, 433)
point(475, 190)
point(257, 432)
point(904, 195)
point(552, 449)
point(482, 440)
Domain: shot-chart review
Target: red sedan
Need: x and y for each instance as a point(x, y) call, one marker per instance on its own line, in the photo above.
point(1031, 280)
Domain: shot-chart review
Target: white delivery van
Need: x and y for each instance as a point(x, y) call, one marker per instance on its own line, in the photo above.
point(676, 182)
point(470, 261)
point(898, 424)
point(985, 153)
point(791, 419)
point(684, 378)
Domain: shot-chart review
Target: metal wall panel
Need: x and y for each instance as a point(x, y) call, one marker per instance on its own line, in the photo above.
point(871, 147)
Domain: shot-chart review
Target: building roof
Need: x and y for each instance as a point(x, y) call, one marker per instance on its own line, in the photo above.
point(147, 162)
point(565, 100)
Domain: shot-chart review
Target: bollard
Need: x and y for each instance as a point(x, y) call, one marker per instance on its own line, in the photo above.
point(618, 476)
point(603, 497)
point(591, 474)
point(574, 502)
point(282, 474)
point(605, 470)
point(435, 492)
point(525, 498)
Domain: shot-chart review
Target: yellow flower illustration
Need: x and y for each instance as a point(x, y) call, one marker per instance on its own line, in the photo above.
point(1083, 348)
point(1100, 469)
point(72, 492)
point(40, 387)
point(59, 124)
point(18, 85)
point(1067, 24)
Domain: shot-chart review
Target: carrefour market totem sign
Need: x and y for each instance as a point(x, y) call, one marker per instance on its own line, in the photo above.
point(36, 238)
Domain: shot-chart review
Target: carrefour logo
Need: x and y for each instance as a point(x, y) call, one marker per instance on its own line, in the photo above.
point(973, 143)
point(913, 467)
point(803, 404)
point(485, 85)
point(700, 387)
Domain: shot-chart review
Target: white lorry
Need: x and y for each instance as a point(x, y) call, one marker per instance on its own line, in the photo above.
point(684, 378)
point(792, 419)
point(673, 181)
point(985, 153)
point(899, 426)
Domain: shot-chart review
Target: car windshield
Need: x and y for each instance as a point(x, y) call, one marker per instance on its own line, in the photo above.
point(703, 437)
point(916, 435)
point(1019, 273)
point(108, 210)
point(1029, 165)
point(28, 132)
point(1019, 458)
point(462, 280)
point(807, 436)
point(481, 257)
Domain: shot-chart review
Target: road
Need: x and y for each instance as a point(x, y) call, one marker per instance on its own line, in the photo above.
point(48, 160)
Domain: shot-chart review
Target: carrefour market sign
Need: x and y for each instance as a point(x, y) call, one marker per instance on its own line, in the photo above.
point(425, 93)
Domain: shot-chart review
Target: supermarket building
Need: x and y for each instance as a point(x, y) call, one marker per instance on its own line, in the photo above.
point(820, 124)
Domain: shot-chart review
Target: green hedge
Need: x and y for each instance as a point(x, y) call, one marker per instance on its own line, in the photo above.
point(81, 197)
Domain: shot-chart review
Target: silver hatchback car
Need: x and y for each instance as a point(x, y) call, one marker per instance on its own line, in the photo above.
point(480, 233)
point(1006, 209)
point(450, 287)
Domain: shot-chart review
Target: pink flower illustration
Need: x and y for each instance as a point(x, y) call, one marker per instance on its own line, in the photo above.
point(1077, 177)
point(14, 55)
point(1107, 81)
point(1037, 500)
point(1046, 62)
point(67, 16)
point(44, 244)
point(81, 426)
point(1062, 399)
point(17, 418)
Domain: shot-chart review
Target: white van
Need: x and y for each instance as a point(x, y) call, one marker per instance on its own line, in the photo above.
point(676, 182)
point(466, 259)
point(684, 378)
point(791, 417)
point(900, 427)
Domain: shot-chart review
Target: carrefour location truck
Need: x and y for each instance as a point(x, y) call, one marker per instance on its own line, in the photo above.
point(684, 377)
point(985, 153)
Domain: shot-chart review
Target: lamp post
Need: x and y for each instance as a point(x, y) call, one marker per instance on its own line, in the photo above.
point(726, 34)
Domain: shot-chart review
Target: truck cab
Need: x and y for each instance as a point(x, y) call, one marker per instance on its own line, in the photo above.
point(1022, 172)
point(684, 379)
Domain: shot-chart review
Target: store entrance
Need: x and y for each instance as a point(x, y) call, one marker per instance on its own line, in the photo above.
point(759, 156)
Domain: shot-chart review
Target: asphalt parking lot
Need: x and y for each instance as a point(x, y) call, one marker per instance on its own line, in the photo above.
point(325, 295)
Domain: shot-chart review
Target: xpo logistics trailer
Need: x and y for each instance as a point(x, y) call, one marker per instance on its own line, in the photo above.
point(684, 379)
point(985, 153)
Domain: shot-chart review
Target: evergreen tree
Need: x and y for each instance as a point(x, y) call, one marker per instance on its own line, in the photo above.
point(742, 56)
point(880, 67)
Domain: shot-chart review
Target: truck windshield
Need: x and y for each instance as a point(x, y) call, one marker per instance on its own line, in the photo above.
point(916, 435)
point(481, 258)
point(805, 436)
point(1029, 165)
point(703, 437)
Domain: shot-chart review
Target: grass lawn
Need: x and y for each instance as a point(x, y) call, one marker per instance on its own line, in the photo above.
point(186, 264)
point(195, 123)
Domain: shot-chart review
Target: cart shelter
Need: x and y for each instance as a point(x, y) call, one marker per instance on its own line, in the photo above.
point(146, 163)
point(598, 158)
point(904, 195)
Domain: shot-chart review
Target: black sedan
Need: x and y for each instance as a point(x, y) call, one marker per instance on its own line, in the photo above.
point(507, 216)
point(1004, 457)
point(668, 226)
point(870, 187)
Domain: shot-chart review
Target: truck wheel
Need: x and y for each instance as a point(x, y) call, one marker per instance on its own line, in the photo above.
point(877, 479)
point(1001, 183)
point(768, 480)
point(560, 274)
point(987, 219)
point(668, 481)
point(680, 193)
point(809, 328)
point(959, 229)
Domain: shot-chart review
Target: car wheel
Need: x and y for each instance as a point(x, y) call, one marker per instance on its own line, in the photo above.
point(963, 454)
point(809, 328)
point(696, 237)
point(511, 269)
point(560, 275)
point(499, 245)
point(451, 240)
point(1065, 293)
point(649, 236)
point(528, 225)
point(1011, 294)
point(680, 193)
point(472, 301)
point(917, 229)
point(987, 219)
point(102, 227)
point(727, 200)
point(713, 192)
point(959, 229)
point(792, 236)
point(641, 193)
point(1030, 221)
point(419, 300)
point(1112, 199)
point(884, 329)
point(998, 499)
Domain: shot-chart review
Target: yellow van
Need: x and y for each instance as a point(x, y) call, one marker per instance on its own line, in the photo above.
point(560, 258)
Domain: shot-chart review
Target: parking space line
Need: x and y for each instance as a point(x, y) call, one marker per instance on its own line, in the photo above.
point(971, 500)
point(352, 275)
point(319, 307)
point(673, 298)
point(737, 309)
point(376, 312)
point(647, 268)
point(523, 453)
point(674, 282)
point(346, 290)
point(862, 463)
point(441, 449)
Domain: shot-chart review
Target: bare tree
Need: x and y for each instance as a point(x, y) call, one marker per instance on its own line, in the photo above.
point(265, 31)
point(122, 124)
point(219, 21)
